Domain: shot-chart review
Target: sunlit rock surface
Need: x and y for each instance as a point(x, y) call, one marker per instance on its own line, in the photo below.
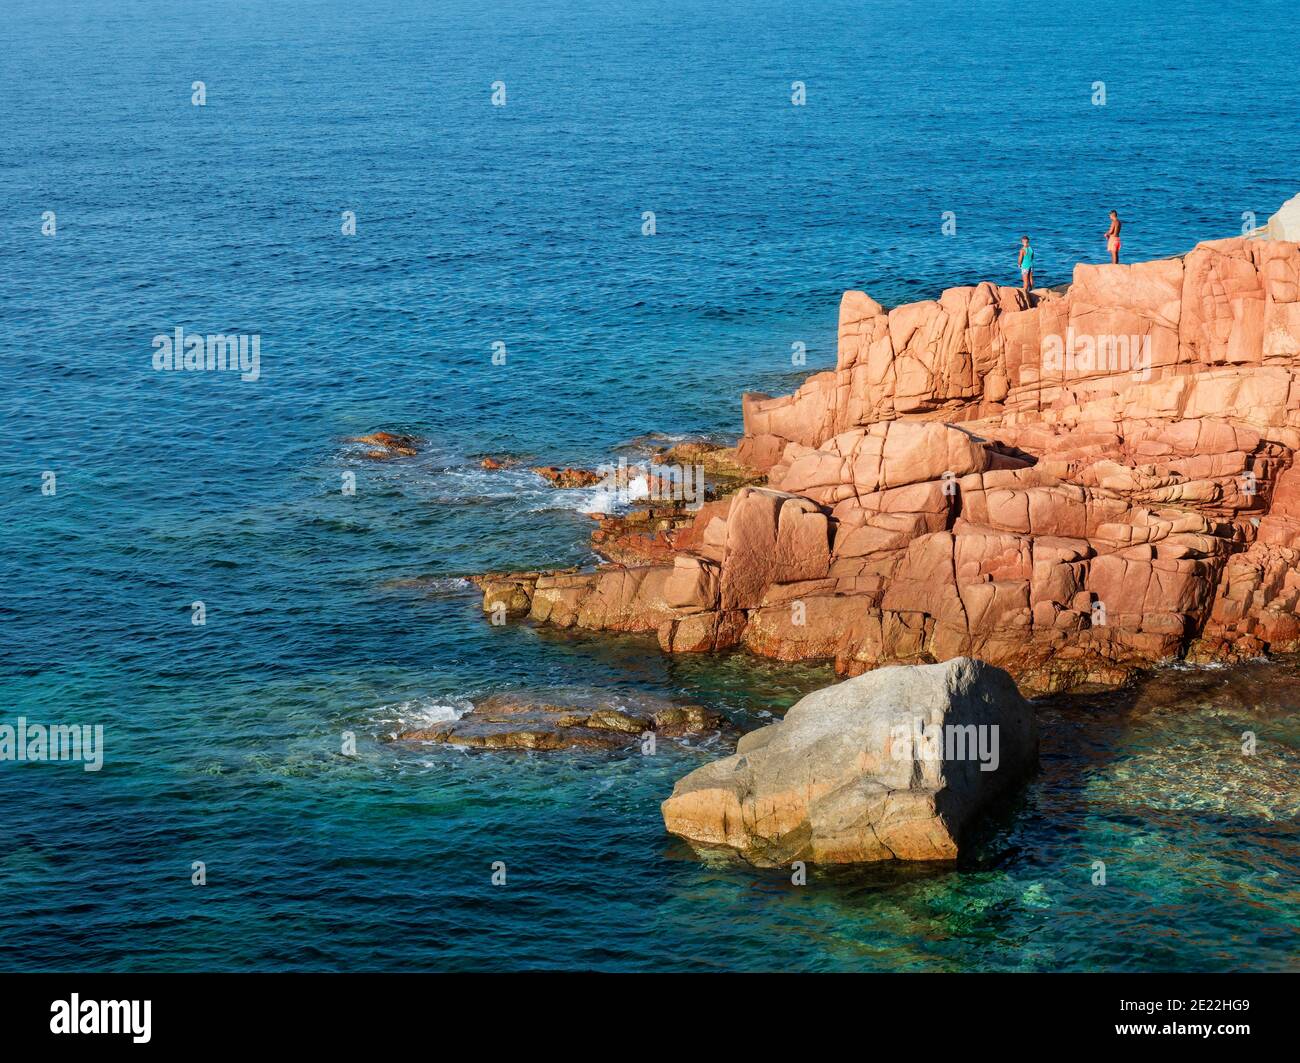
point(1071, 489)
point(894, 765)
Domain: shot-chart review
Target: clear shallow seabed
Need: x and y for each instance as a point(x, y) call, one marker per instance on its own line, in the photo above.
point(522, 224)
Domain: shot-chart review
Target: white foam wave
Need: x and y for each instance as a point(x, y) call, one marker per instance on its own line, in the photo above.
point(449, 583)
point(578, 499)
point(420, 712)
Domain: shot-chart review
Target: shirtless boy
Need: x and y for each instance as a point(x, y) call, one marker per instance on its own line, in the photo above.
point(1112, 237)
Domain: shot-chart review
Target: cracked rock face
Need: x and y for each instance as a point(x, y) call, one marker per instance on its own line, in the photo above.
point(1073, 490)
point(888, 766)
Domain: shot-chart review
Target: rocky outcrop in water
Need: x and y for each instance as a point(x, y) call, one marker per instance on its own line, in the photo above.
point(1071, 486)
point(894, 765)
point(520, 721)
point(388, 445)
point(567, 477)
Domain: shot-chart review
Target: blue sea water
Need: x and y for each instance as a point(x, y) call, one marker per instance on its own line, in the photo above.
point(522, 225)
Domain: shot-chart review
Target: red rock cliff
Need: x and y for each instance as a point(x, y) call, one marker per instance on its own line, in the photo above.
point(1070, 490)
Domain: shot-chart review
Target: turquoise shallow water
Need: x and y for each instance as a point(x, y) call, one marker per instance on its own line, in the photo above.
point(522, 224)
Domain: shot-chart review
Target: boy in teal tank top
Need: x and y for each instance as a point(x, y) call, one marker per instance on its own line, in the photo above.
point(1026, 263)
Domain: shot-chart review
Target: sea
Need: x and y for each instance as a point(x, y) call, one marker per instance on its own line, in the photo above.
point(560, 233)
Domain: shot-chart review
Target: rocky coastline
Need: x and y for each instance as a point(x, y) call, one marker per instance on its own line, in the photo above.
point(1072, 485)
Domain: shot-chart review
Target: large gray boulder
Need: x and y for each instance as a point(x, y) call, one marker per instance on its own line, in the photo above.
point(893, 765)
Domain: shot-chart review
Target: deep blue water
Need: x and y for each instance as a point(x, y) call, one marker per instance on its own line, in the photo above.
point(523, 225)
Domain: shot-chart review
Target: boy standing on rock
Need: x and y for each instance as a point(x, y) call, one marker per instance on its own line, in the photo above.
point(1026, 262)
point(1112, 238)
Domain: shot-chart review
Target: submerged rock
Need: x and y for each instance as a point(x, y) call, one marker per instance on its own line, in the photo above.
point(897, 764)
point(521, 721)
point(388, 445)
